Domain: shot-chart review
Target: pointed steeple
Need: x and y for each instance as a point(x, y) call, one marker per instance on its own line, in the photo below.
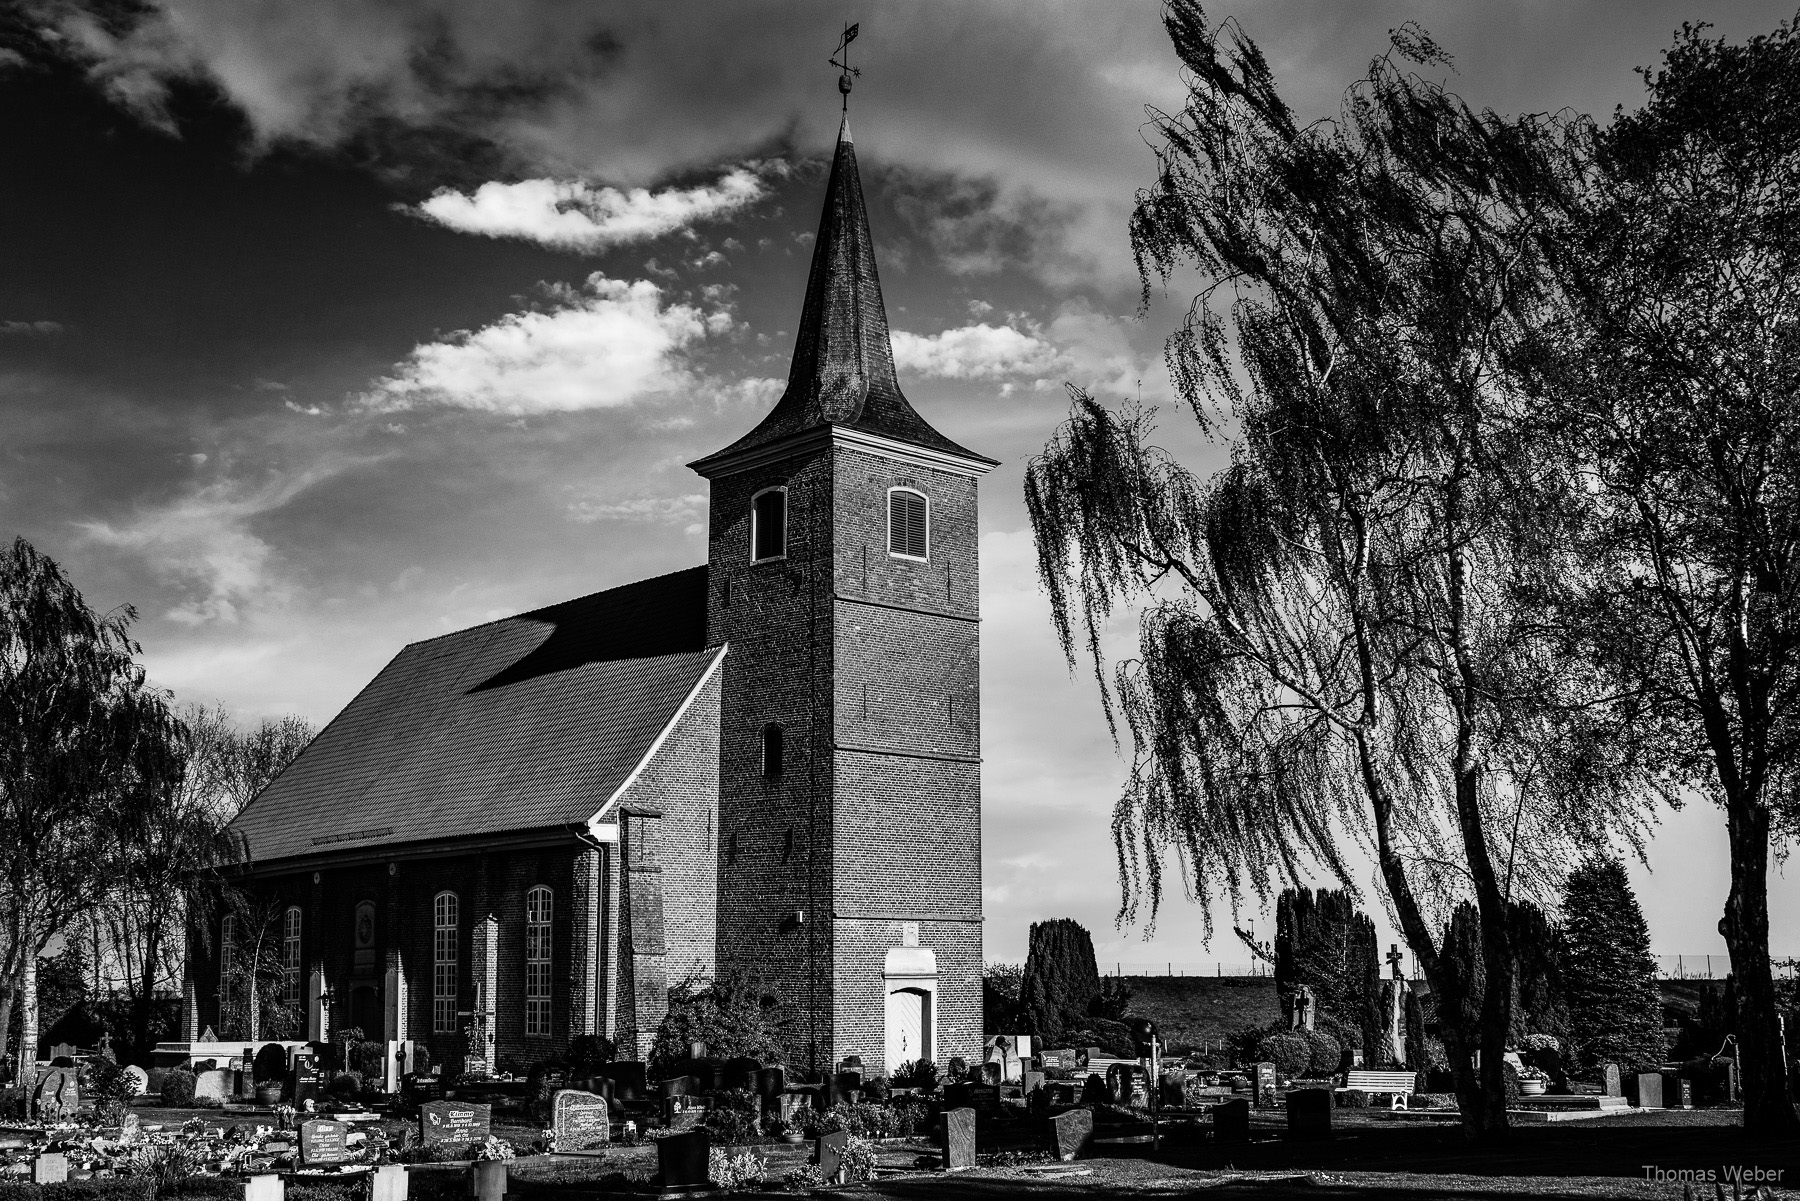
point(843, 369)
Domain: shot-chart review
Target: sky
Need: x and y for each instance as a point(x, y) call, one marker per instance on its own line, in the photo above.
point(329, 327)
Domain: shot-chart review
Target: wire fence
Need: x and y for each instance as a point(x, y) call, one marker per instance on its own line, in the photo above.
point(1198, 967)
point(1668, 967)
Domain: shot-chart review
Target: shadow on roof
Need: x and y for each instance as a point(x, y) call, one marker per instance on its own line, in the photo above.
point(662, 616)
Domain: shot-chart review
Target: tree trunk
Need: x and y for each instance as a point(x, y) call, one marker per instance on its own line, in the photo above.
point(1768, 1103)
point(8, 991)
point(28, 1019)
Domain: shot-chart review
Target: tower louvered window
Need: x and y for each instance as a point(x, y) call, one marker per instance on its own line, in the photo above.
point(443, 963)
point(909, 524)
point(537, 962)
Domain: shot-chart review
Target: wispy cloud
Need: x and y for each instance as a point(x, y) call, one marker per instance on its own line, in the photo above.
point(203, 542)
point(608, 345)
point(689, 511)
point(979, 351)
point(30, 329)
point(574, 215)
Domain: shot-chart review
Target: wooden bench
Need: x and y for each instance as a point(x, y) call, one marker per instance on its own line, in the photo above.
point(1399, 1084)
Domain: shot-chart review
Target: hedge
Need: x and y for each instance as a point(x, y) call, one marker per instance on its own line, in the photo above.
point(106, 1188)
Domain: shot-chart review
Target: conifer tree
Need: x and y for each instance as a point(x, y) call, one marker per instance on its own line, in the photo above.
point(1322, 940)
point(1609, 978)
point(1061, 979)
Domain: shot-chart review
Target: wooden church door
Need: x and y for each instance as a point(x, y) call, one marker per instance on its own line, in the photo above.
point(908, 1026)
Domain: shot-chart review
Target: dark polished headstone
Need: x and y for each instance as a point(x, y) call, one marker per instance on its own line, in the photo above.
point(956, 1138)
point(828, 1154)
point(682, 1160)
point(770, 1082)
point(1093, 1090)
point(1231, 1121)
point(740, 1073)
point(1071, 1133)
point(629, 1081)
point(1309, 1113)
point(454, 1122)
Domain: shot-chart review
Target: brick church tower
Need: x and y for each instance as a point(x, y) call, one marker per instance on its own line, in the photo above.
point(843, 576)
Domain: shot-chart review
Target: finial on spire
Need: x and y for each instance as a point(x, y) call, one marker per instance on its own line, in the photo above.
point(846, 72)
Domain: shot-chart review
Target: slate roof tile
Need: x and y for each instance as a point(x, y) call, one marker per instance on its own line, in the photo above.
point(526, 723)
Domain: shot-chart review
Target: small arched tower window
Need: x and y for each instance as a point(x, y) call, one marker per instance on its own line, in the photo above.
point(768, 525)
point(909, 524)
point(537, 962)
point(290, 956)
point(443, 963)
point(772, 747)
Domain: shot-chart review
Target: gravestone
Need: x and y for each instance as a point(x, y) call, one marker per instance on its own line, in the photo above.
point(580, 1120)
point(1649, 1090)
point(956, 1138)
point(1309, 1113)
point(58, 1093)
point(52, 1167)
point(629, 1081)
point(1003, 1050)
point(1683, 1093)
point(1071, 1133)
point(984, 1098)
point(322, 1141)
point(139, 1077)
point(1264, 1086)
point(306, 1082)
point(1231, 1121)
point(1093, 1090)
point(741, 1072)
point(270, 1063)
point(992, 1073)
point(487, 1180)
point(214, 1085)
point(453, 1122)
point(1059, 1059)
point(828, 1154)
point(682, 1159)
point(1612, 1085)
point(770, 1082)
point(388, 1183)
point(128, 1129)
point(1030, 1082)
point(263, 1188)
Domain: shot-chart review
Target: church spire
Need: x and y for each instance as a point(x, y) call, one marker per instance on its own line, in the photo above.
point(843, 368)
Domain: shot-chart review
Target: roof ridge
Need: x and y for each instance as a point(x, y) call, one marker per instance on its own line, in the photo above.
point(494, 621)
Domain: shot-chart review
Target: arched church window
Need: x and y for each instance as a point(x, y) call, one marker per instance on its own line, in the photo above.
point(772, 747)
point(537, 962)
point(443, 963)
point(227, 937)
point(768, 525)
point(909, 524)
point(290, 956)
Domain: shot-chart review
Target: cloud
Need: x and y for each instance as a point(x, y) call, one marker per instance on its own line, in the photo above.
point(610, 345)
point(203, 542)
point(689, 512)
point(30, 329)
point(573, 215)
point(979, 351)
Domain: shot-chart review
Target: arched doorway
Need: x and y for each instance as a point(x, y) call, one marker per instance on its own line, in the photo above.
point(908, 1026)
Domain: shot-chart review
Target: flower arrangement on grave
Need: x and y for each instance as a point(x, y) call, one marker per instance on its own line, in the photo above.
point(493, 1147)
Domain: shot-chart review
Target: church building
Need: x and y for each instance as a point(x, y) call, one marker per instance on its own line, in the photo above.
point(768, 765)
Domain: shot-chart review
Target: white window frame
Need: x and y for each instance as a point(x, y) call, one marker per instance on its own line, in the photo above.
point(894, 554)
point(446, 913)
point(539, 912)
point(290, 955)
point(754, 497)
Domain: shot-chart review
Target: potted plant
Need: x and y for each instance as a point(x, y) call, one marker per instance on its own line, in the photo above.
point(1533, 1082)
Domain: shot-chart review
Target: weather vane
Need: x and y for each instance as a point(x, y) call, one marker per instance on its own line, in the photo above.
point(846, 72)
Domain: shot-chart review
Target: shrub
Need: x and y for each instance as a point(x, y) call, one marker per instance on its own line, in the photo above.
point(1326, 1053)
point(113, 1188)
point(163, 1165)
point(178, 1088)
point(735, 1173)
point(111, 1086)
point(1289, 1052)
point(1354, 1098)
point(733, 1117)
point(910, 1115)
point(858, 1162)
point(1061, 980)
point(345, 1085)
point(588, 1053)
point(803, 1179)
point(916, 1073)
point(1510, 1075)
point(1431, 1101)
point(369, 1060)
point(1540, 1042)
